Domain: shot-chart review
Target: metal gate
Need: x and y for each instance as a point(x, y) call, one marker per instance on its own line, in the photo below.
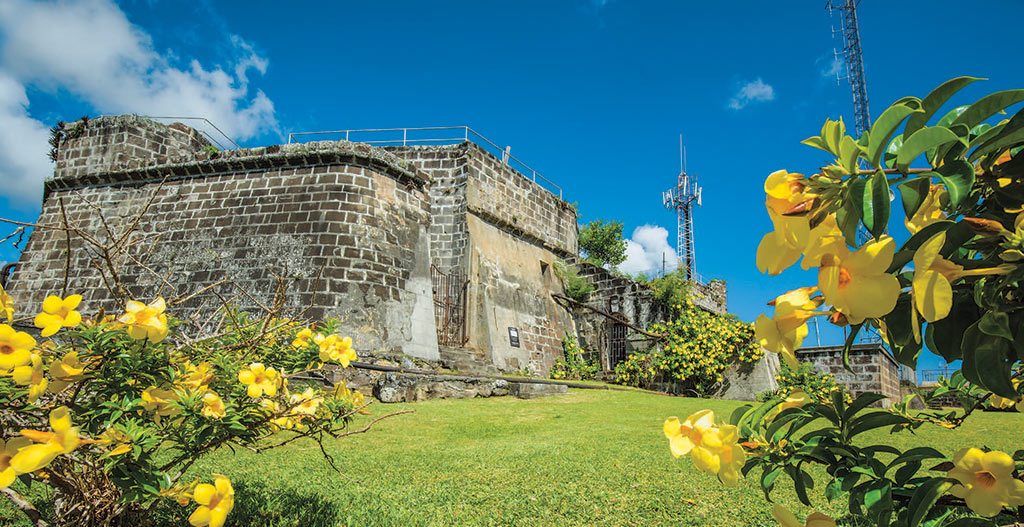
point(616, 344)
point(449, 306)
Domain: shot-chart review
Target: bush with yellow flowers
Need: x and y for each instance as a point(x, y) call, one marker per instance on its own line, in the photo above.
point(805, 378)
point(945, 273)
point(109, 413)
point(693, 353)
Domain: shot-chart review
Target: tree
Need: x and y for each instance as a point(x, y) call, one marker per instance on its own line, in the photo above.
point(953, 281)
point(602, 243)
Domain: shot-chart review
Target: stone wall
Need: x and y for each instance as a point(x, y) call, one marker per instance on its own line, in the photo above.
point(874, 370)
point(346, 225)
point(617, 295)
point(711, 296)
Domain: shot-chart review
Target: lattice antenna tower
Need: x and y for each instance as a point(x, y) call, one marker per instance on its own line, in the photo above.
point(853, 58)
point(683, 198)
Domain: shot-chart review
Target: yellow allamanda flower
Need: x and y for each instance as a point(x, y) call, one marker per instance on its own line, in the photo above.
point(932, 287)
point(112, 436)
point(305, 403)
point(145, 321)
point(57, 313)
point(856, 283)
point(782, 247)
point(160, 401)
point(1003, 403)
point(6, 305)
point(66, 371)
point(930, 210)
point(986, 481)
point(260, 380)
point(825, 238)
point(797, 398)
point(196, 377)
point(719, 453)
point(215, 502)
point(15, 347)
point(684, 436)
point(31, 375)
point(788, 519)
point(8, 450)
point(337, 349)
point(785, 330)
point(63, 439)
point(303, 338)
point(213, 405)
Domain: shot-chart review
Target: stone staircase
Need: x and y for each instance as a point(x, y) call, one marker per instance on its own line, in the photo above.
point(466, 361)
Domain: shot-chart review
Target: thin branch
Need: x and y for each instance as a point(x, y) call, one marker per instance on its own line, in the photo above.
point(25, 506)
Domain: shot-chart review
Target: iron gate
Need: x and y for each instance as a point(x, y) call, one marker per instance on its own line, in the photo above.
point(449, 306)
point(616, 344)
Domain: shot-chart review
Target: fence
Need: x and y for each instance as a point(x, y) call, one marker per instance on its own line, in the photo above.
point(432, 135)
point(449, 306)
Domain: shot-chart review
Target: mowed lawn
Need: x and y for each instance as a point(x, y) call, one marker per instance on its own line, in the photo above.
point(592, 457)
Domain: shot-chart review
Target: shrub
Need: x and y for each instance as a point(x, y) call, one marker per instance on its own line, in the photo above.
point(576, 287)
point(113, 411)
point(671, 293)
point(953, 282)
point(574, 365)
point(696, 348)
point(804, 377)
point(602, 243)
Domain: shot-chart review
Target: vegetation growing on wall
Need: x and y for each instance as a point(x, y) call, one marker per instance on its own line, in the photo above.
point(576, 287)
point(575, 364)
point(696, 349)
point(602, 244)
point(952, 282)
point(805, 378)
point(671, 293)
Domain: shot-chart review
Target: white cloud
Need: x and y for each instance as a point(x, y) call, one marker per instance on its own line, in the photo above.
point(834, 67)
point(23, 146)
point(646, 251)
point(90, 49)
point(753, 91)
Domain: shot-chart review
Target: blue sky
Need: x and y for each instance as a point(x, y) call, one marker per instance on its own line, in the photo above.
point(592, 93)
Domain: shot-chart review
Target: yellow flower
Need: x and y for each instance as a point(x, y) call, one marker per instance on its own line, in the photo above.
point(719, 453)
point(62, 440)
point(986, 481)
point(15, 347)
point(145, 321)
point(337, 349)
point(785, 331)
point(197, 377)
point(933, 276)
point(57, 313)
point(788, 519)
point(683, 437)
point(856, 284)
point(113, 436)
point(213, 405)
point(824, 239)
point(160, 401)
point(32, 376)
point(303, 338)
point(782, 247)
point(930, 210)
point(6, 304)
point(305, 403)
point(7, 452)
point(215, 502)
point(65, 371)
point(797, 398)
point(260, 380)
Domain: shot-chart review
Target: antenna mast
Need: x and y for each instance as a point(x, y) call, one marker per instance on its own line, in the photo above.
point(682, 198)
point(853, 57)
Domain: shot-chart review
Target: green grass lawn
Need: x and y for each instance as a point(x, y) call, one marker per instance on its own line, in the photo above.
point(589, 458)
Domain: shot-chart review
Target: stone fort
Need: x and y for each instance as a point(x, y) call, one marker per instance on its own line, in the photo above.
point(442, 253)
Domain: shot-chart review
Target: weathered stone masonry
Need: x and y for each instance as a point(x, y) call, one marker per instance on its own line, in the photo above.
point(346, 224)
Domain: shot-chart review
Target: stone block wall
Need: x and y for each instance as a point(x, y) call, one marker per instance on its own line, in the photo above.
point(874, 370)
point(347, 226)
point(711, 296)
point(620, 296)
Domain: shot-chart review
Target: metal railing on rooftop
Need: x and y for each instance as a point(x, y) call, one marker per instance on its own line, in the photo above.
point(433, 135)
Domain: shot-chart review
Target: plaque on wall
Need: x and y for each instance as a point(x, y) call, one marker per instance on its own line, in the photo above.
point(513, 336)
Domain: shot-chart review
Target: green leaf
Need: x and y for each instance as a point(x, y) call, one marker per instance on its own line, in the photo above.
point(768, 478)
point(924, 499)
point(816, 142)
point(958, 177)
point(885, 126)
point(906, 253)
point(892, 150)
point(873, 420)
point(997, 324)
point(934, 100)
point(849, 152)
point(947, 120)
point(875, 204)
point(854, 330)
point(971, 522)
point(988, 106)
point(1010, 134)
point(861, 402)
point(987, 361)
point(919, 143)
point(920, 453)
point(848, 217)
point(913, 192)
point(834, 489)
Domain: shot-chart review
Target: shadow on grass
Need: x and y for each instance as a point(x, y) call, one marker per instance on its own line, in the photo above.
point(258, 504)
